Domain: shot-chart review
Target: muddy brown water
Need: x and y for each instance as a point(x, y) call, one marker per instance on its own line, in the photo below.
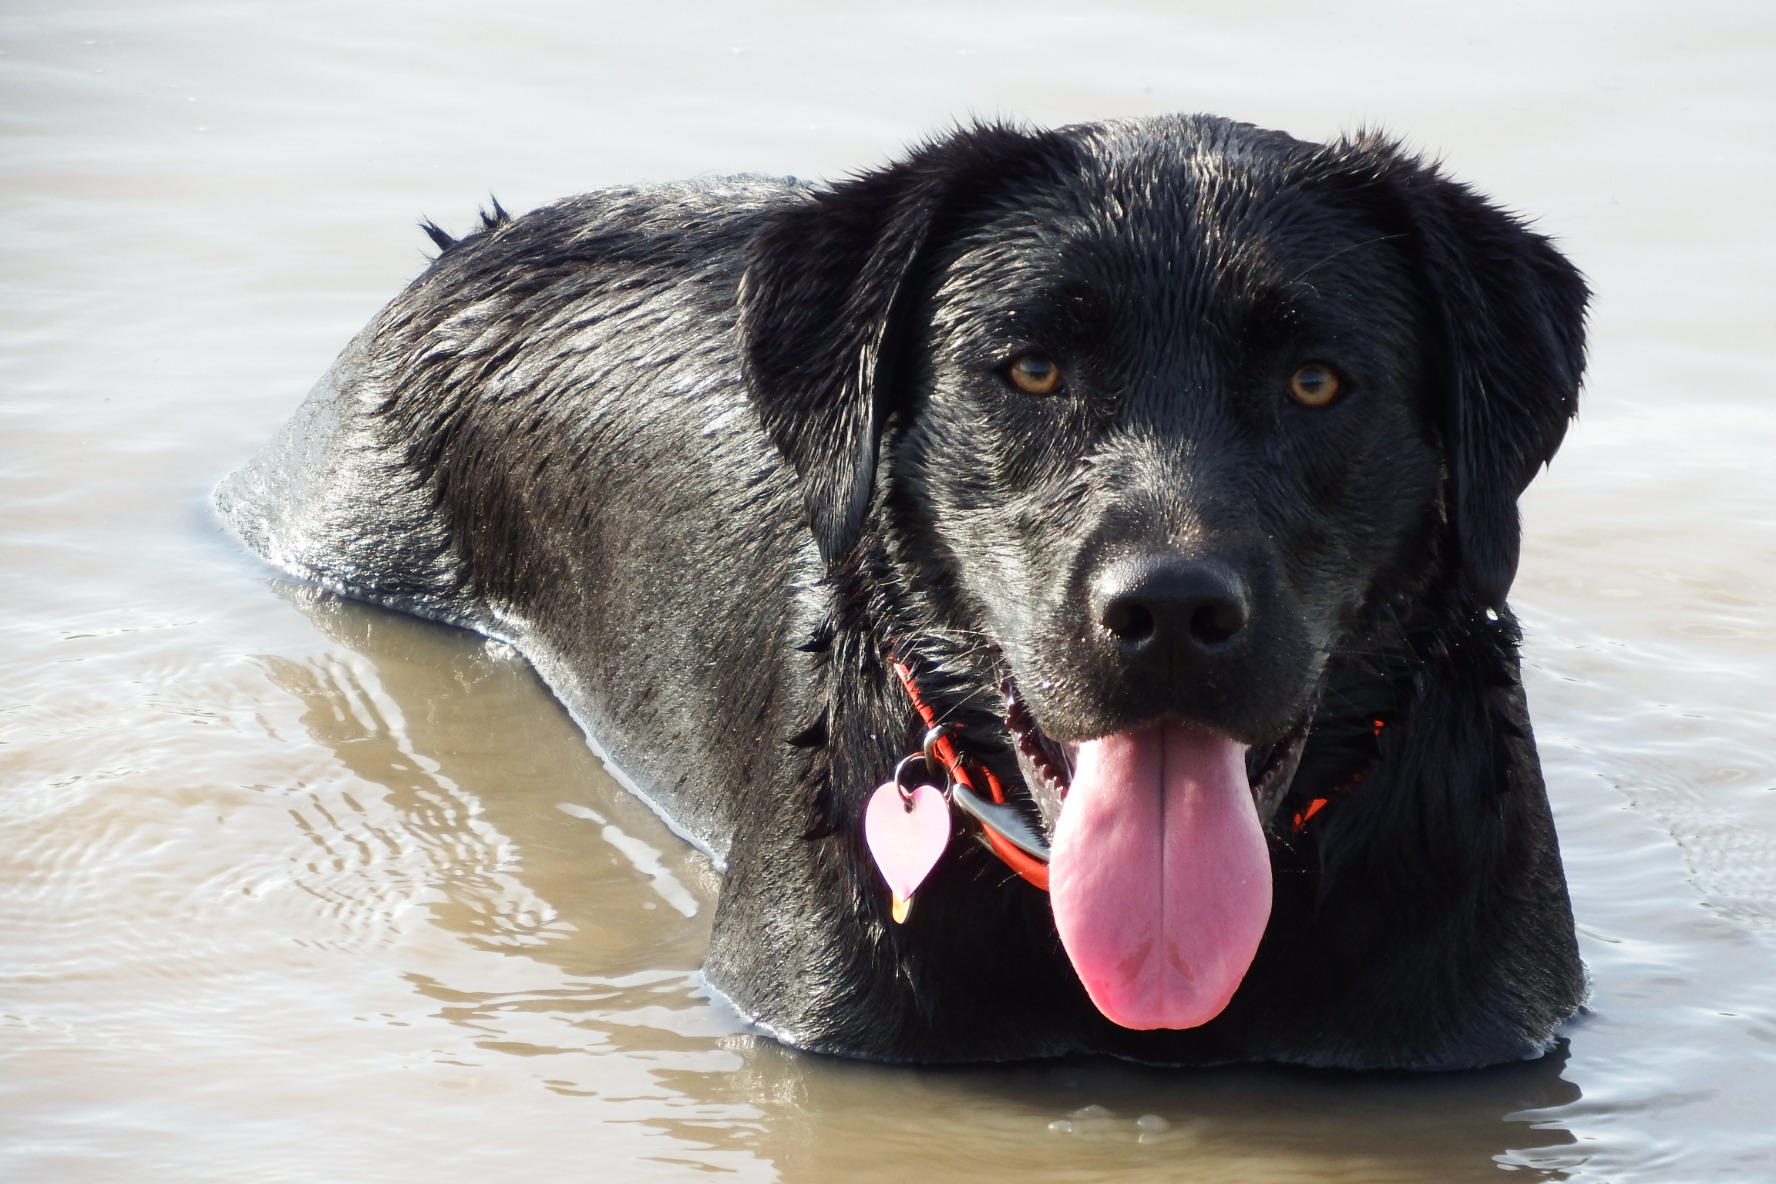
point(297, 890)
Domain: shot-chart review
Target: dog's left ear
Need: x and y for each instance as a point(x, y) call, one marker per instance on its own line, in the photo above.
point(1509, 314)
point(829, 283)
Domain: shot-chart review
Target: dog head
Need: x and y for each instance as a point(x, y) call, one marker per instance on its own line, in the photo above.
point(1171, 405)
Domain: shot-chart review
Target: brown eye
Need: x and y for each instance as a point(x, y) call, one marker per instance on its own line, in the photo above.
point(1315, 385)
point(1034, 374)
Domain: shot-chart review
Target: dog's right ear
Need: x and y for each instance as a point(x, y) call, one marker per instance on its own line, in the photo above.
point(1513, 354)
point(1508, 313)
point(828, 285)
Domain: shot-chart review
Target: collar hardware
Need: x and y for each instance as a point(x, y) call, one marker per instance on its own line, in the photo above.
point(1006, 832)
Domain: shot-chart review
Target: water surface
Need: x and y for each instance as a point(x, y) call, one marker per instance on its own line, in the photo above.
point(298, 890)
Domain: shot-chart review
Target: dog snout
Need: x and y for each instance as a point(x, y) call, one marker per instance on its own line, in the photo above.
point(1171, 613)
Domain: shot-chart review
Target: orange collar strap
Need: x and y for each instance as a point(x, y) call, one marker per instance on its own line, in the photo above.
point(1306, 813)
point(944, 749)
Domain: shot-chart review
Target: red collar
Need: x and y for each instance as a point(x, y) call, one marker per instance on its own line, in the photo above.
point(1035, 870)
point(944, 749)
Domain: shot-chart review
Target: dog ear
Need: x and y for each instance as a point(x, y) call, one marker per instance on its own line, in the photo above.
point(1508, 314)
point(829, 283)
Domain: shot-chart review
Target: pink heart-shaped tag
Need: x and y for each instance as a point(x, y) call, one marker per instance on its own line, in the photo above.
point(906, 842)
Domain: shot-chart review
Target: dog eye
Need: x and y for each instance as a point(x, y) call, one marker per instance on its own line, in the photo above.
point(1034, 374)
point(1314, 385)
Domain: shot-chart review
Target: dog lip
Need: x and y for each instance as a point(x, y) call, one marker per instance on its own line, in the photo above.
point(1271, 768)
point(1038, 752)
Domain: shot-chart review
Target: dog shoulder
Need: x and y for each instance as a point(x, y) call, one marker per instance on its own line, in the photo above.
point(346, 495)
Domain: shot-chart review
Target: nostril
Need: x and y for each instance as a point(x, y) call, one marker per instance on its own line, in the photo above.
point(1128, 619)
point(1167, 609)
point(1216, 622)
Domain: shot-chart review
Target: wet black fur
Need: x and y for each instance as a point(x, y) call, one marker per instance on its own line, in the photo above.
point(710, 453)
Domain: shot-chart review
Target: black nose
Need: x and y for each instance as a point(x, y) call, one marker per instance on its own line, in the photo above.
point(1171, 609)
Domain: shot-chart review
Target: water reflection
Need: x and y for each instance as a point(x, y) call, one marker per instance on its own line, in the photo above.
point(499, 827)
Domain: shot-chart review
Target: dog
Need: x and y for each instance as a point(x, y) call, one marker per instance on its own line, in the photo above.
point(1058, 577)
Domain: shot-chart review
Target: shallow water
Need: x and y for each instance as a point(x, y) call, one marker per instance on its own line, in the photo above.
point(298, 890)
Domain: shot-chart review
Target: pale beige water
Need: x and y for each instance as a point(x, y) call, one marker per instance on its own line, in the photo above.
point(300, 891)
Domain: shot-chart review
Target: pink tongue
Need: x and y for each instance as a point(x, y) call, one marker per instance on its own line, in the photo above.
point(1160, 875)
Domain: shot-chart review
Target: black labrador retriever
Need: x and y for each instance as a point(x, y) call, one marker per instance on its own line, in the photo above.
point(1059, 577)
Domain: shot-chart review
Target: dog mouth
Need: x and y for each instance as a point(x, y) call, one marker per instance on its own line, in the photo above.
point(1047, 764)
point(1159, 869)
